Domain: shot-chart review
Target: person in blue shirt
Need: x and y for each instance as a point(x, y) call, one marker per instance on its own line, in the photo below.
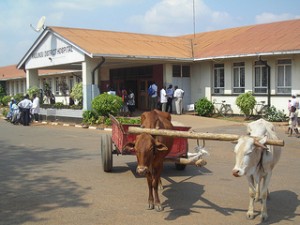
point(170, 93)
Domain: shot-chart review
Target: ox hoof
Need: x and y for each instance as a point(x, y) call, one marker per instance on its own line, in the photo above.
point(150, 206)
point(264, 217)
point(250, 215)
point(159, 208)
point(201, 162)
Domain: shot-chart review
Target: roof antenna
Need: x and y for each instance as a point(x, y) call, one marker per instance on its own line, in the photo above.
point(40, 24)
point(194, 18)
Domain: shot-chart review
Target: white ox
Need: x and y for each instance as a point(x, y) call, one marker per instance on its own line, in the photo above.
point(256, 161)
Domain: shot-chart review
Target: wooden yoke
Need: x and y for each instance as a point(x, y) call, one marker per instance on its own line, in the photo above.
point(194, 135)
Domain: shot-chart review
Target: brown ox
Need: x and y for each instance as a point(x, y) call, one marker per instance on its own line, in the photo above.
point(256, 161)
point(151, 151)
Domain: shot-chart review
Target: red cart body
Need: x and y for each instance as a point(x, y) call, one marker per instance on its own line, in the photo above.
point(120, 137)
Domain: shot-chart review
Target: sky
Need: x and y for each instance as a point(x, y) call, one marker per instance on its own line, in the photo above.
point(159, 17)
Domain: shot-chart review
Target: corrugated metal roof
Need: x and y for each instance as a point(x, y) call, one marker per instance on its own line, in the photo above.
point(264, 38)
point(98, 42)
point(11, 72)
point(272, 38)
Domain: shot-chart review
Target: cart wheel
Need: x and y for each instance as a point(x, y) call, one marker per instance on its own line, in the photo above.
point(179, 166)
point(106, 152)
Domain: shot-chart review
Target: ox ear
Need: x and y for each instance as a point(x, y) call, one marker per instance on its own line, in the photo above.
point(160, 146)
point(143, 117)
point(128, 147)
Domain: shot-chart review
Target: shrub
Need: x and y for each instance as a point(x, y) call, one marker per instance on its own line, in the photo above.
point(5, 112)
point(19, 97)
point(246, 102)
point(2, 92)
point(89, 117)
point(58, 105)
point(274, 115)
point(106, 104)
point(204, 107)
point(5, 100)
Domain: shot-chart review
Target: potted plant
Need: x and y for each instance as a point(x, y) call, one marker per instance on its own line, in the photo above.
point(76, 93)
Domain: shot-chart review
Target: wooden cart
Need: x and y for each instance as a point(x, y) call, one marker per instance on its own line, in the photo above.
point(113, 144)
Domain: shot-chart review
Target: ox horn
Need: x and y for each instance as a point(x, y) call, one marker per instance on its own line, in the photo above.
point(258, 144)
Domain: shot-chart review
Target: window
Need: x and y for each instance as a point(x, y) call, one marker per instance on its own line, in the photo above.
point(260, 78)
point(218, 79)
point(239, 77)
point(284, 76)
point(18, 86)
point(57, 85)
point(71, 81)
point(22, 86)
point(181, 71)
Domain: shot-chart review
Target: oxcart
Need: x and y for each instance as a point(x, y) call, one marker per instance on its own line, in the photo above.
point(113, 144)
point(123, 133)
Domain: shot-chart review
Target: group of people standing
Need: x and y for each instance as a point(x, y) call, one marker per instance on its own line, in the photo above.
point(166, 97)
point(24, 111)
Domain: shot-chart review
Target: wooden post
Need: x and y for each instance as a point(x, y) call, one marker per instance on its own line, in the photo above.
point(194, 135)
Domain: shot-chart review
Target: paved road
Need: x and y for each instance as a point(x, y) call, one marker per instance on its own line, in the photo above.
point(53, 175)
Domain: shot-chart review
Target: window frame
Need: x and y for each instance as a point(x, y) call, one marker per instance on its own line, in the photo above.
point(263, 78)
point(238, 67)
point(57, 88)
point(285, 63)
point(219, 78)
point(181, 70)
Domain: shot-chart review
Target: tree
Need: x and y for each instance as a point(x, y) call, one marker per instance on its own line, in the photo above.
point(246, 102)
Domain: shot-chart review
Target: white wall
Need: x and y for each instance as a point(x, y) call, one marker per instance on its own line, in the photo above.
point(202, 81)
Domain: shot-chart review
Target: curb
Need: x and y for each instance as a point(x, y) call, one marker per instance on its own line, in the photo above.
point(66, 125)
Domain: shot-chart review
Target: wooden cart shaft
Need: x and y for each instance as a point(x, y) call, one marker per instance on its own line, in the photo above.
point(196, 135)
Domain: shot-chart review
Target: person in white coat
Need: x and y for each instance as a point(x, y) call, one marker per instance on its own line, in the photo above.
point(178, 96)
point(35, 110)
point(163, 99)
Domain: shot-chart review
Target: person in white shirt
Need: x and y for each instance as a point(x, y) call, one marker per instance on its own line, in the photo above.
point(153, 98)
point(178, 95)
point(293, 125)
point(25, 105)
point(163, 99)
point(35, 110)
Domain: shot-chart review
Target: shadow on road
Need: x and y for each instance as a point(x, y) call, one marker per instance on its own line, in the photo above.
point(25, 191)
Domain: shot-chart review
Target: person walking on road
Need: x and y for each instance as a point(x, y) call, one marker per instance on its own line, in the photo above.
point(178, 95)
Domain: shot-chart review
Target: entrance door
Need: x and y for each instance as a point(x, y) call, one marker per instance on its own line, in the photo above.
point(143, 99)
